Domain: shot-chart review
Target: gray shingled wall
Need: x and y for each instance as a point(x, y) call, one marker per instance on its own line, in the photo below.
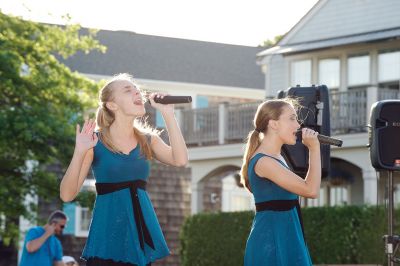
point(168, 188)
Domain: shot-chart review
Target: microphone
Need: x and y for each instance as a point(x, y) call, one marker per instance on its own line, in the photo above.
point(168, 99)
point(330, 141)
point(327, 140)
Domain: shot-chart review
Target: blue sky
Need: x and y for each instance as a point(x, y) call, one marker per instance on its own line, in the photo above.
point(242, 22)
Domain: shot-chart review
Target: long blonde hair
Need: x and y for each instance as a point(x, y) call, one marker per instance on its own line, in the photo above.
point(268, 110)
point(105, 117)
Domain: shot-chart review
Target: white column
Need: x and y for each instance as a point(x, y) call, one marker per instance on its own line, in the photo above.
point(221, 122)
point(370, 186)
point(343, 73)
point(228, 185)
point(374, 67)
point(197, 197)
point(314, 71)
point(372, 97)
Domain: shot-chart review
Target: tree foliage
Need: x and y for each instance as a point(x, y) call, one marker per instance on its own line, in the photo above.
point(41, 101)
point(270, 43)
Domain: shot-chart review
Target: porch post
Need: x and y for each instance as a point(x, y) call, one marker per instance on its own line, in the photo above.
point(370, 186)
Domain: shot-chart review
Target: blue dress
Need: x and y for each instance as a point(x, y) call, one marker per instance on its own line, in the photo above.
point(115, 235)
point(276, 237)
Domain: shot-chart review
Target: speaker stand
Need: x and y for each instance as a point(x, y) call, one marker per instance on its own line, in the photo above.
point(391, 241)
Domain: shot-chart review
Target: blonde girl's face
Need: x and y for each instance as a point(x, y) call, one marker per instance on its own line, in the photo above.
point(127, 98)
point(288, 125)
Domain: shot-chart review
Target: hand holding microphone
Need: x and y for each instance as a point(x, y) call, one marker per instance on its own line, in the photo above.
point(309, 138)
point(326, 139)
point(169, 99)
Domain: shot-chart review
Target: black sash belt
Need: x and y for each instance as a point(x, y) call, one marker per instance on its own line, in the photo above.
point(281, 205)
point(142, 230)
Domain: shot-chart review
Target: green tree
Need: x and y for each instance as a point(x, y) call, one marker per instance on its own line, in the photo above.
point(41, 101)
point(270, 43)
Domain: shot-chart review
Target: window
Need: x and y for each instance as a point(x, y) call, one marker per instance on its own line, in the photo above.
point(240, 203)
point(82, 221)
point(301, 73)
point(358, 70)
point(235, 198)
point(396, 194)
point(202, 117)
point(329, 73)
point(159, 120)
point(318, 202)
point(339, 196)
point(389, 66)
point(201, 101)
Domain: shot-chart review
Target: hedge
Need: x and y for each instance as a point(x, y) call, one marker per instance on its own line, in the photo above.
point(335, 235)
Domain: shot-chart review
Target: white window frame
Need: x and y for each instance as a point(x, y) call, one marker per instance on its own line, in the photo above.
point(78, 221)
point(347, 189)
point(331, 61)
point(395, 68)
point(88, 184)
point(320, 201)
point(230, 190)
point(353, 79)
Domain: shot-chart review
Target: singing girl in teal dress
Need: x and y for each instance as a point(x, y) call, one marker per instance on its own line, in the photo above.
point(124, 230)
point(276, 237)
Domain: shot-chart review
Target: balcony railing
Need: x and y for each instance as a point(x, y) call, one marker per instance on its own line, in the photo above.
point(224, 124)
point(348, 111)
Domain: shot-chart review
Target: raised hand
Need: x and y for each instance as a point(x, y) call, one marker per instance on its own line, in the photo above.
point(49, 229)
point(85, 138)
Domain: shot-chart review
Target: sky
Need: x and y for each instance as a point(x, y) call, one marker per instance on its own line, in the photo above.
point(240, 22)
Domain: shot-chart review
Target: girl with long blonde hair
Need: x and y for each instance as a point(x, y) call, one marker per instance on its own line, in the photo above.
point(276, 236)
point(124, 228)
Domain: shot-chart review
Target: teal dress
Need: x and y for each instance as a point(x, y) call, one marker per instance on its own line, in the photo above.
point(276, 237)
point(124, 229)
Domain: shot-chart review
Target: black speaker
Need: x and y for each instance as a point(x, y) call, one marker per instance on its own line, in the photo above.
point(384, 135)
point(315, 115)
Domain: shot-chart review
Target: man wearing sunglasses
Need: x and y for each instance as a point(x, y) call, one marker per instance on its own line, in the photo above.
point(41, 246)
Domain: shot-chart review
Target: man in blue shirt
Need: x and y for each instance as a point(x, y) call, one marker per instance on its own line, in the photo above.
point(41, 246)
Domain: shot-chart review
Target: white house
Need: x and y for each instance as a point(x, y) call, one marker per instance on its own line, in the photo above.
point(354, 48)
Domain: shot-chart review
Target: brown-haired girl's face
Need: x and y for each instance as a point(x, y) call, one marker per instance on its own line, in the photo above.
point(128, 98)
point(288, 125)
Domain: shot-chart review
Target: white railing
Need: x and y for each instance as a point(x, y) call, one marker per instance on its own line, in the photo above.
point(224, 124)
point(200, 126)
point(385, 94)
point(348, 111)
point(239, 119)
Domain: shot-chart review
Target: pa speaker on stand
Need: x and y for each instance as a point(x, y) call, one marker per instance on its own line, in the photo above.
point(384, 144)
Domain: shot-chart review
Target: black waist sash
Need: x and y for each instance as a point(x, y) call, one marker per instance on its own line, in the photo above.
point(281, 205)
point(142, 230)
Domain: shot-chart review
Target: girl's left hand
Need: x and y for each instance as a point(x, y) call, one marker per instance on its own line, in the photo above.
point(161, 107)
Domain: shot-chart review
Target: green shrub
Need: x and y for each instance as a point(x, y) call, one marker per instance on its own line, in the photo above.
point(334, 235)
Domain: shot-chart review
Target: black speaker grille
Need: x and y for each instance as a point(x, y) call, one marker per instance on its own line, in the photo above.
point(389, 142)
point(385, 142)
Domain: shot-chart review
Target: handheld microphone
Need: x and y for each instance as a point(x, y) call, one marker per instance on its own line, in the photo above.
point(168, 99)
point(330, 141)
point(327, 140)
